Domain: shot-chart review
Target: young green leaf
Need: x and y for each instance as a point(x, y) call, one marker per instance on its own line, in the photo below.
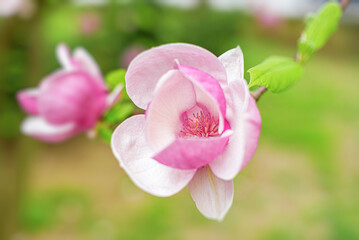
point(113, 79)
point(276, 73)
point(318, 30)
point(119, 113)
point(104, 132)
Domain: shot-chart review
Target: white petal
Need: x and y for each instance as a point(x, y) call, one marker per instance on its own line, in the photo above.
point(232, 61)
point(149, 66)
point(213, 196)
point(38, 128)
point(64, 56)
point(130, 147)
point(87, 61)
point(175, 96)
point(113, 96)
point(245, 121)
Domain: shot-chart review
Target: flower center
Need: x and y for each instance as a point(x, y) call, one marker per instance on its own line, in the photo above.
point(201, 125)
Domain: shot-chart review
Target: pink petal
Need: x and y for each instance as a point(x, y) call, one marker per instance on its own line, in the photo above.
point(232, 61)
point(71, 96)
point(86, 61)
point(252, 129)
point(213, 196)
point(208, 99)
point(131, 149)
point(64, 56)
point(28, 100)
point(38, 128)
point(174, 96)
point(192, 153)
point(203, 98)
point(81, 60)
point(114, 96)
point(207, 83)
point(245, 121)
point(148, 67)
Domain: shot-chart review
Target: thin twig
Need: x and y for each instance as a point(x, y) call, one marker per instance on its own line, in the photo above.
point(261, 90)
point(258, 93)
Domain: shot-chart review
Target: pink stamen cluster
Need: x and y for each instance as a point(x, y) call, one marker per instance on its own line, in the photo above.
point(202, 125)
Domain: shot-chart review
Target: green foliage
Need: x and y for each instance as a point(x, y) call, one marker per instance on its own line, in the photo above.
point(279, 73)
point(114, 78)
point(104, 132)
point(11, 118)
point(318, 30)
point(61, 25)
point(275, 73)
point(44, 210)
point(119, 113)
point(151, 222)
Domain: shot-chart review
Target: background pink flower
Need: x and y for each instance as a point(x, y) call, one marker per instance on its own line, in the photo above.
point(23, 8)
point(90, 23)
point(201, 125)
point(10, 7)
point(67, 102)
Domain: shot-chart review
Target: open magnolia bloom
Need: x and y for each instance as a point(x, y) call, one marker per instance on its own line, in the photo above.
point(68, 101)
point(200, 128)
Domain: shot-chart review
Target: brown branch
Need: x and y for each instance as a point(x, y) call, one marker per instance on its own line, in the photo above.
point(258, 93)
point(261, 90)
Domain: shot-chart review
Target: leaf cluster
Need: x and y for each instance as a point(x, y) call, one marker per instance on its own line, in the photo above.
point(279, 73)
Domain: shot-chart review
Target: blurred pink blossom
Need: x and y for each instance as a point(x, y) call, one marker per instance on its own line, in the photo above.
point(10, 7)
point(266, 13)
point(200, 128)
point(68, 101)
point(90, 22)
point(23, 8)
point(267, 19)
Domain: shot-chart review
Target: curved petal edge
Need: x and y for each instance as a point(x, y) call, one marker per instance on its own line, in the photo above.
point(131, 149)
point(38, 128)
point(213, 196)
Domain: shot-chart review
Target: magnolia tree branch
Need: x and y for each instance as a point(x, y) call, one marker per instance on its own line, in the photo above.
point(261, 90)
point(258, 93)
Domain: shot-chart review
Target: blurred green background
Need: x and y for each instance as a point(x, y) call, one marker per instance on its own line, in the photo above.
point(302, 183)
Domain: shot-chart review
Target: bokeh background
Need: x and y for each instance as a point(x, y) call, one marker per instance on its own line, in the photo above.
point(302, 183)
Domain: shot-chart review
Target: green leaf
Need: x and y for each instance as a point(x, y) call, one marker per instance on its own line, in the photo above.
point(318, 29)
point(276, 73)
point(119, 113)
point(113, 79)
point(104, 132)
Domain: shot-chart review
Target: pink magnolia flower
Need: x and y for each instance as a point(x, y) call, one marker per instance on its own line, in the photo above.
point(200, 128)
point(68, 101)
